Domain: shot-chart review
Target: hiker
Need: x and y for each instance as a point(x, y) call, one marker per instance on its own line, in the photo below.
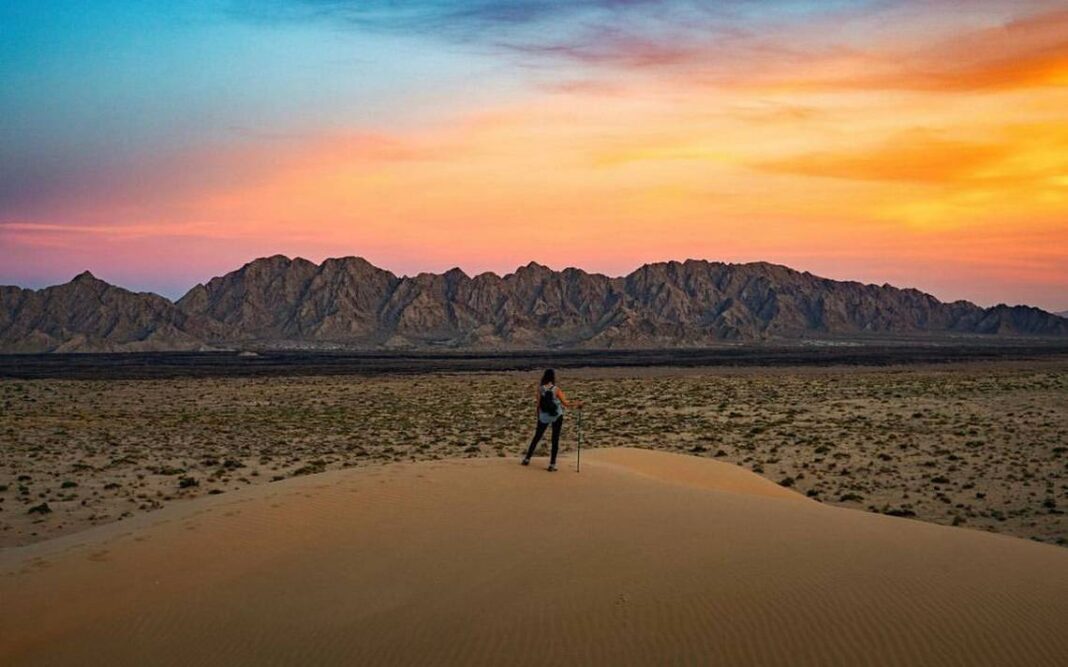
point(550, 402)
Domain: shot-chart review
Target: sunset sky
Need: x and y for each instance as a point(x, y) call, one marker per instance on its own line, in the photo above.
point(159, 143)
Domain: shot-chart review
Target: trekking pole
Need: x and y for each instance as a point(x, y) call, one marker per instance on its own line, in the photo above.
point(578, 457)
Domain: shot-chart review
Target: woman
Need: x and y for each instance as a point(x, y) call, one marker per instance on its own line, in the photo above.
point(550, 403)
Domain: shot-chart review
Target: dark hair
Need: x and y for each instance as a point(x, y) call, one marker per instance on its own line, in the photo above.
point(548, 377)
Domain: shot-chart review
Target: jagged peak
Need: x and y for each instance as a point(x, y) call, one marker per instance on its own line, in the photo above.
point(354, 265)
point(271, 259)
point(349, 259)
point(275, 263)
point(86, 280)
point(85, 276)
point(533, 266)
point(1019, 307)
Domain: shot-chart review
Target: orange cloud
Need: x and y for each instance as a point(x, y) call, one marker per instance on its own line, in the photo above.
point(1032, 51)
point(1027, 52)
point(915, 156)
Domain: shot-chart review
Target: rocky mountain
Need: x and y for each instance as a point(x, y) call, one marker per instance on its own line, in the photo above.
point(89, 315)
point(295, 300)
point(349, 301)
point(282, 302)
point(1063, 313)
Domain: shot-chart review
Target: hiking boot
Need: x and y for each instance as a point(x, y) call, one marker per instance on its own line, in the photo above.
point(525, 461)
point(552, 467)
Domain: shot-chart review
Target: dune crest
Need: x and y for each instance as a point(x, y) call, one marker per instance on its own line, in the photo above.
point(709, 474)
point(643, 558)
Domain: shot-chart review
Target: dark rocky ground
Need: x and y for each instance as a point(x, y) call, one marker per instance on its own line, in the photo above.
point(260, 362)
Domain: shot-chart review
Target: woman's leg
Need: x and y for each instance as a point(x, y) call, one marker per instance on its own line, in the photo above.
point(557, 425)
point(538, 432)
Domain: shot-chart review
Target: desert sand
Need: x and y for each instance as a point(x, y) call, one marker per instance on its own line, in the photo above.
point(642, 558)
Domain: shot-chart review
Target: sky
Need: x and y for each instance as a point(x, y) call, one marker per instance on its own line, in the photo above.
point(159, 143)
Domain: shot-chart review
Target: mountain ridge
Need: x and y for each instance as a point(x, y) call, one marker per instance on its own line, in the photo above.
point(89, 314)
point(281, 302)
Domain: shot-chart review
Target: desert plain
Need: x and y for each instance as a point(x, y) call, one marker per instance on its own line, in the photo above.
point(743, 516)
point(979, 445)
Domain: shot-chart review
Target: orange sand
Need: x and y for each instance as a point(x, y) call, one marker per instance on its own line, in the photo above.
point(643, 558)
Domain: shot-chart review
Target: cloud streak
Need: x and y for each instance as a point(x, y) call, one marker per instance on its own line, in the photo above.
point(634, 33)
point(914, 156)
point(770, 45)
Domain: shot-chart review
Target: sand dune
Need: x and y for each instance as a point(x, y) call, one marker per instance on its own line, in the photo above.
point(643, 558)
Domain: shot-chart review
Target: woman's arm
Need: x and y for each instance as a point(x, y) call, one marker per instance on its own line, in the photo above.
point(566, 403)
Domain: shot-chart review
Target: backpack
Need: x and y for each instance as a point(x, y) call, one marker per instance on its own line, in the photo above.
point(547, 403)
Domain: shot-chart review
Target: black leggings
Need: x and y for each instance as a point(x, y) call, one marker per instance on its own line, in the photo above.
point(557, 425)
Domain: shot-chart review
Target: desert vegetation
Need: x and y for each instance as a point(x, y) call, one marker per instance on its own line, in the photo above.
point(977, 445)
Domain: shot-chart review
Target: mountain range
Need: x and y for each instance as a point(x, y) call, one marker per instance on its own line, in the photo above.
point(278, 302)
